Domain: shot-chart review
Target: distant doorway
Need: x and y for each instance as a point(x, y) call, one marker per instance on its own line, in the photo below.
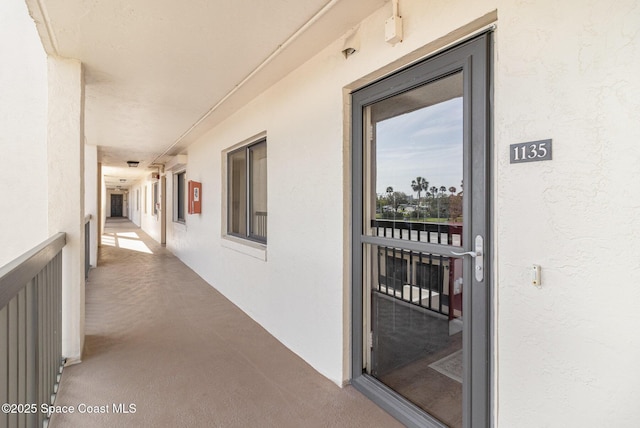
point(116, 205)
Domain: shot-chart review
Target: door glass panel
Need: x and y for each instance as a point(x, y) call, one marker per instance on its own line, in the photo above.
point(413, 170)
point(416, 319)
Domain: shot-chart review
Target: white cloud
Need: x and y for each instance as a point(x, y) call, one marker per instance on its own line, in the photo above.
point(426, 143)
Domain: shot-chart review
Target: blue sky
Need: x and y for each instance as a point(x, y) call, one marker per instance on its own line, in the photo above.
point(426, 143)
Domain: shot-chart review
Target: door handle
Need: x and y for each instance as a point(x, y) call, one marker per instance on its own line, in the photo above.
point(466, 253)
point(478, 255)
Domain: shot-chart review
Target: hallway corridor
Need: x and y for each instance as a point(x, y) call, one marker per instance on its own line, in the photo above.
point(162, 340)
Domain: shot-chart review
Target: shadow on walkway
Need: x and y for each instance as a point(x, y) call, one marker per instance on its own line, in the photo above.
point(171, 351)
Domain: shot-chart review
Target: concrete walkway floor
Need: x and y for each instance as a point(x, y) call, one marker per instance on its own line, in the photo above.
point(165, 349)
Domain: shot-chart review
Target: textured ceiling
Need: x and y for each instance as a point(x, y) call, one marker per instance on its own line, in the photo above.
point(156, 71)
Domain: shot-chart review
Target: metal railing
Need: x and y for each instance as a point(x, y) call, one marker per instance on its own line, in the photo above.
point(31, 334)
point(432, 282)
point(436, 233)
point(260, 225)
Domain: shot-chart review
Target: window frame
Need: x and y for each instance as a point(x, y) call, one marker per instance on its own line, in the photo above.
point(155, 197)
point(177, 176)
point(249, 191)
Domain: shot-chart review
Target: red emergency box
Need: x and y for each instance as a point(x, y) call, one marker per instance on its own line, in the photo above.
point(195, 197)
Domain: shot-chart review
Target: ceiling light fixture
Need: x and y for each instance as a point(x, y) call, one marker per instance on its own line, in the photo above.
point(133, 164)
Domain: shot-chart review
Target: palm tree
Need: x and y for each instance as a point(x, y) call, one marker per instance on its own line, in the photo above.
point(443, 189)
point(455, 203)
point(418, 185)
point(434, 191)
point(389, 195)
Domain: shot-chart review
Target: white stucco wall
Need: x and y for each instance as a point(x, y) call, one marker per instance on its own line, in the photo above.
point(565, 352)
point(138, 212)
point(297, 294)
point(65, 151)
point(23, 133)
point(149, 222)
point(135, 205)
point(568, 351)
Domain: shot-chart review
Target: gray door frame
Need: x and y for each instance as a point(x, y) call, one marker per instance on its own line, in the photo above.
point(473, 57)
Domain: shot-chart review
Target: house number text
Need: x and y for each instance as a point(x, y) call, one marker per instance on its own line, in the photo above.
point(532, 151)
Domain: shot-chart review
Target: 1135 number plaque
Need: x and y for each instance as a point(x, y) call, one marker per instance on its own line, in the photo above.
point(532, 151)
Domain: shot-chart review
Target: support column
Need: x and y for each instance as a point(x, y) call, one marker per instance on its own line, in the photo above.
point(65, 140)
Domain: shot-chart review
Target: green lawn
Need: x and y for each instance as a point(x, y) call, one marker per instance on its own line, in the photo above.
point(416, 220)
